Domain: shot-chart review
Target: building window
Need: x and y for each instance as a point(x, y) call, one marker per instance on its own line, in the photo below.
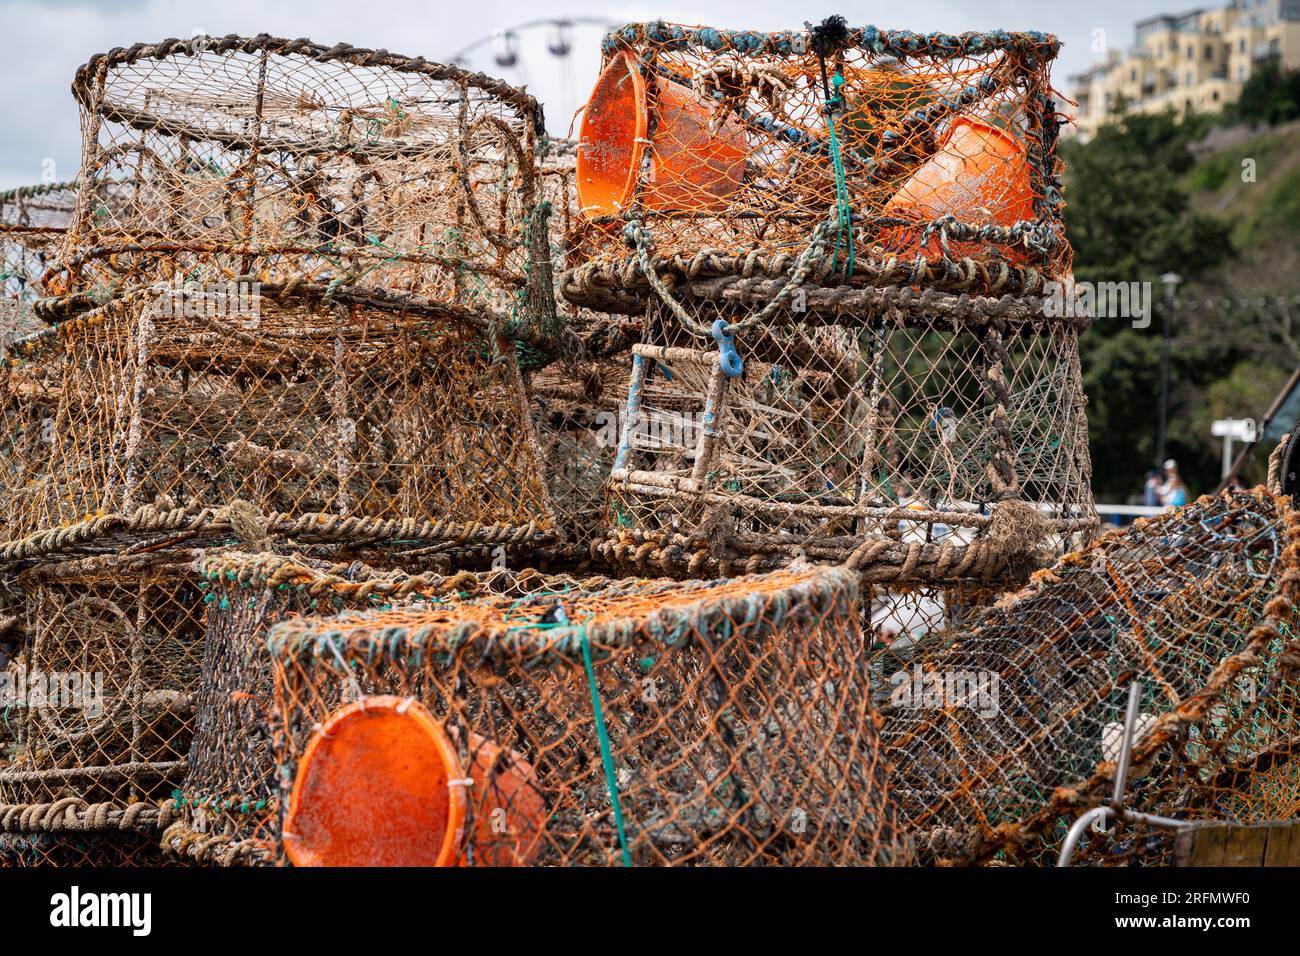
point(1209, 52)
point(1132, 76)
point(1191, 52)
point(1241, 45)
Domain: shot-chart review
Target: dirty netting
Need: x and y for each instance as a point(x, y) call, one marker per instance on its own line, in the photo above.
point(226, 810)
point(642, 723)
point(159, 413)
point(112, 649)
point(997, 743)
point(923, 448)
point(33, 220)
point(840, 156)
point(287, 161)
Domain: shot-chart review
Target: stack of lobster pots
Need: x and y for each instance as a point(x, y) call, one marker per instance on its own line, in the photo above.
point(839, 243)
point(332, 330)
point(287, 311)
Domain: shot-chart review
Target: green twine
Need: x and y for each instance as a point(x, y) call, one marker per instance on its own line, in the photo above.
point(611, 782)
point(841, 180)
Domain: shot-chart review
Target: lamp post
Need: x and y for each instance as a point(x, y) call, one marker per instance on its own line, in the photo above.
point(1170, 280)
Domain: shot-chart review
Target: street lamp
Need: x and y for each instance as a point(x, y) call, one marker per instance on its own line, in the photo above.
point(1170, 280)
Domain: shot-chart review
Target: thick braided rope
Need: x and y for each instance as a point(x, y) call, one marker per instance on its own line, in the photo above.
point(72, 814)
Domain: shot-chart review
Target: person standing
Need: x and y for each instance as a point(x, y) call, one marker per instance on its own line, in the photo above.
point(1172, 493)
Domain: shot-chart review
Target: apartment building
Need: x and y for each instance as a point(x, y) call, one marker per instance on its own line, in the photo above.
point(1191, 62)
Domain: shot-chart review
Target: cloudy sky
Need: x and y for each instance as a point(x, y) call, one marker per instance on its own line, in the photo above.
point(43, 42)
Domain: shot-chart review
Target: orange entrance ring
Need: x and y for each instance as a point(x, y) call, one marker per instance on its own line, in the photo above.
point(374, 788)
point(382, 784)
point(980, 175)
point(692, 169)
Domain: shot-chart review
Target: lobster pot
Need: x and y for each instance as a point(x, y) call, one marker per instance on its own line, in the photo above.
point(920, 449)
point(227, 809)
point(111, 666)
point(998, 743)
point(733, 718)
point(287, 161)
point(33, 220)
point(323, 422)
point(862, 157)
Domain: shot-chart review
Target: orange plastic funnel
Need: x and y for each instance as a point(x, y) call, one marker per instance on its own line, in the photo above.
point(374, 789)
point(691, 168)
point(980, 175)
point(509, 813)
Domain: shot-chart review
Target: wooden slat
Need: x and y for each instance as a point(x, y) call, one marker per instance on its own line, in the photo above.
point(1225, 844)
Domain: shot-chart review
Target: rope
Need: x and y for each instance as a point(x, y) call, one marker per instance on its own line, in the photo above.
point(606, 758)
point(638, 236)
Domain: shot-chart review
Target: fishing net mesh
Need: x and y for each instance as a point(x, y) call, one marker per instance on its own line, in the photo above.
point(1000, 739)
point(90, 848)
point(287, 161)
point(33, 220)
point(322, 421)
point(737, 716)
point(857, 156)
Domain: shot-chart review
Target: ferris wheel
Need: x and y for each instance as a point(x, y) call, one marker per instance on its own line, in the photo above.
point(557, 58)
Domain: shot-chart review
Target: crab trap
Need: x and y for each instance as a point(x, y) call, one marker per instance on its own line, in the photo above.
point(740, 163)
point(226, 810)
point(641, 723)
point(280, 160)
point(110, 666)
point(156, 415)
point(33, 220)
point(918, 449)
point(999, 740)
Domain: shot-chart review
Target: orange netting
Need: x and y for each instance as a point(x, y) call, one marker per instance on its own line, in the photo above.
point(652, 723)
point(226, 809)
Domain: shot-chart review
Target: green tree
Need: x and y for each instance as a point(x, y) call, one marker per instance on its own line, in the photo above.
point(1129, 221)
point(1128, 215)
point(1271, 95)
